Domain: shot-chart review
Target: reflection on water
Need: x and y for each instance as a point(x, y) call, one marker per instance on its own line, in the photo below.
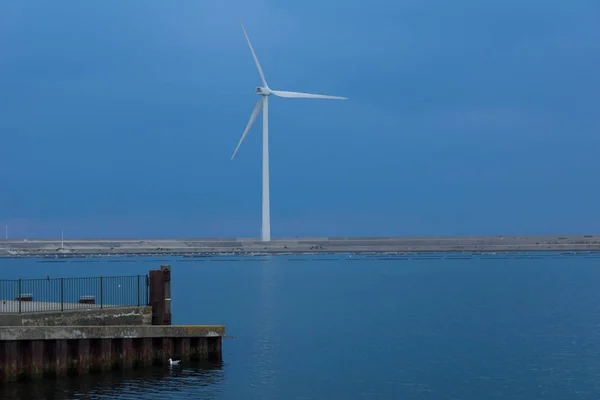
point(195, 380)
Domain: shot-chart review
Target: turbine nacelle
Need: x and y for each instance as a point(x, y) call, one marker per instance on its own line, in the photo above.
point(263, 91)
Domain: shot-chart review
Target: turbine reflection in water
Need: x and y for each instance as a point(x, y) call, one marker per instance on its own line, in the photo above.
point(193, 380)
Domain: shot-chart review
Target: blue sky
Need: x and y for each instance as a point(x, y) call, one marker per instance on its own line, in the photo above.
point(464, 117)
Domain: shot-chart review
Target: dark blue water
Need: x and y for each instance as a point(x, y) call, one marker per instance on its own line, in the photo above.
point(506, 327)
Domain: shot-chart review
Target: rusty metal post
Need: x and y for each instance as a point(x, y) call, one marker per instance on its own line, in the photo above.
point(160, 295)
point(157, 297)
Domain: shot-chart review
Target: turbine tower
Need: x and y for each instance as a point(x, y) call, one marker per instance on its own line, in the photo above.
point(263, 104)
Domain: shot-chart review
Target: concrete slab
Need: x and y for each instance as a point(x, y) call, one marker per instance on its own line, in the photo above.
point(82, 317)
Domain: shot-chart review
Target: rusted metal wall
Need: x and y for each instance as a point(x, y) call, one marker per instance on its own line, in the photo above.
point(30, 359)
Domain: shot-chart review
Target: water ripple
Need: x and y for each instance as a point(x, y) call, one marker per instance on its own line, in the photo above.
point(198, 381)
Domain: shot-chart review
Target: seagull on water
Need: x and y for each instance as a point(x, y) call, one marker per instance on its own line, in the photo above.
point(171, 362)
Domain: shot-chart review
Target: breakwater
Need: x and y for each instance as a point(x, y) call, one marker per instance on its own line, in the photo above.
point(245, 246)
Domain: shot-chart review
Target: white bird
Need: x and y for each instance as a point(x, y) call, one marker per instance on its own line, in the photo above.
point(171, 362)
point(264, 91)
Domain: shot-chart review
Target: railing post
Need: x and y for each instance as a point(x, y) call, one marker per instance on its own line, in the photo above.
point(147, 289)
point(101, 293)
point(62, 290)
point(19, 290)
point(138, 289)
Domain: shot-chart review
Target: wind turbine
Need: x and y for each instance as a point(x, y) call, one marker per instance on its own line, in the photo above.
point(263, 104)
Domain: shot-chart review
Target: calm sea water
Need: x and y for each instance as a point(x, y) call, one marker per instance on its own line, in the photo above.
point(510, 327)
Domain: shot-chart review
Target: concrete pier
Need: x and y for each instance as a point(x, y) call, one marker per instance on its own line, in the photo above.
point(36, 352)
point(39, 341)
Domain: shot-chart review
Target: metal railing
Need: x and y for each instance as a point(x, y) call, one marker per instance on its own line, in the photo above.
point(66, 294)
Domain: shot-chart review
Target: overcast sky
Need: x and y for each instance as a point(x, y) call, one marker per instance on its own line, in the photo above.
point(464, 117)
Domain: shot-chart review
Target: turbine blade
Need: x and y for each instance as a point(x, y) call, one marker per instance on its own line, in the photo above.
point(298, 95)
point(260, 71)
point(255, 112)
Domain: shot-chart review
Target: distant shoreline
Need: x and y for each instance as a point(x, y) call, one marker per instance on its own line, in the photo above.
point(189, 247)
